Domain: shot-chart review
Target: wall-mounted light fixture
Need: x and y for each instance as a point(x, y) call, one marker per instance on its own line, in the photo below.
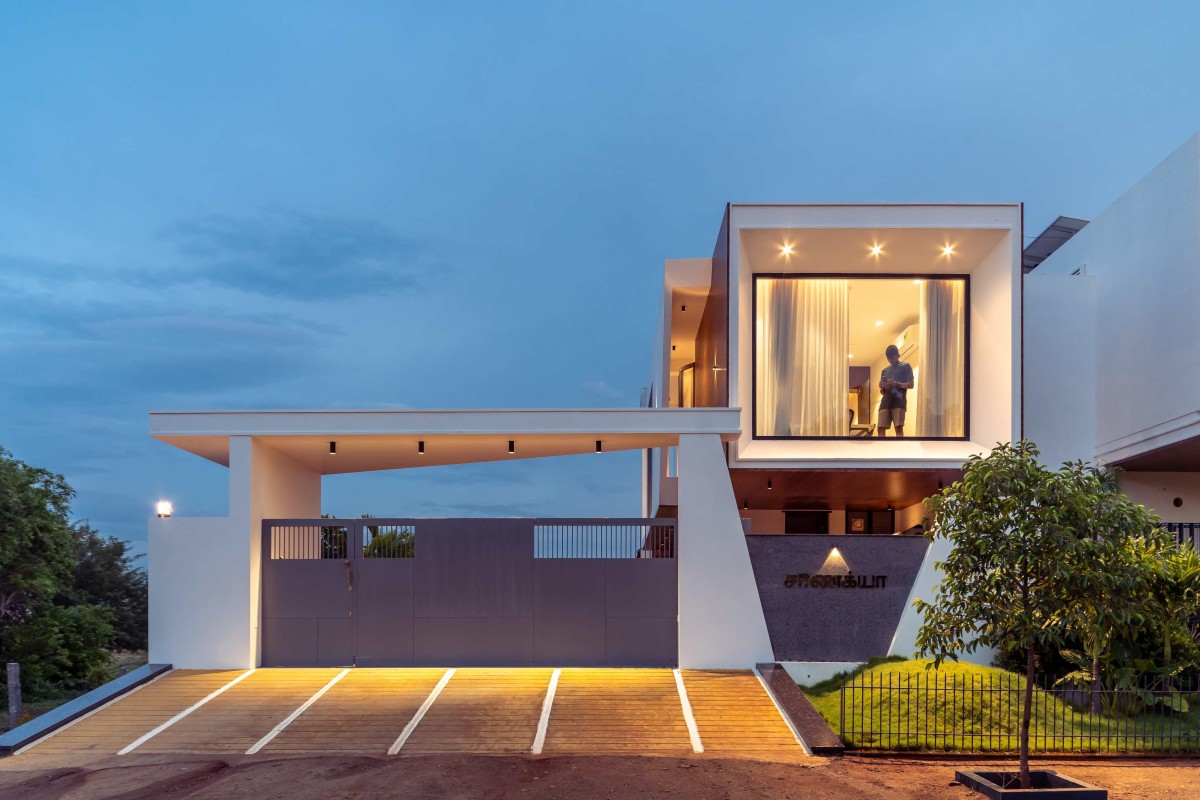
point(683, 309)
point(512, 446)
point(599, 446)
point(333, 448)
point(672, 348)
point(163, 508)
point(420, 448)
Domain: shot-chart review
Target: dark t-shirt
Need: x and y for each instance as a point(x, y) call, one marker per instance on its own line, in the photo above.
point(900, 372)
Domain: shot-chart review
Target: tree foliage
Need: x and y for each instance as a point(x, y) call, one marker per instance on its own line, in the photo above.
point(67, 593)
point(1040, 558)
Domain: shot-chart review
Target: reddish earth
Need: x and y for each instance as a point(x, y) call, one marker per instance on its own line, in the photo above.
point(569, 778)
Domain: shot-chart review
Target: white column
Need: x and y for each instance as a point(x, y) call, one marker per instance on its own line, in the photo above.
point(721, 622)
point(264, 483)
point(205, 571)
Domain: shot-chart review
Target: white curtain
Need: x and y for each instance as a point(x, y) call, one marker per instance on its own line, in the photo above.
point(941, 350)
point(804, 335)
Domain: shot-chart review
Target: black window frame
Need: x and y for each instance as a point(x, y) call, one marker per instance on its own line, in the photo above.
point(965, 278)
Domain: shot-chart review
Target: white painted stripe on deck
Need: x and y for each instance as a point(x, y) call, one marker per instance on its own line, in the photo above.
point(261, 743)
point(786, 719)
point(148, 736)
point(539, 741)
point(420, 715)
point(118, 698)
point(693, 733)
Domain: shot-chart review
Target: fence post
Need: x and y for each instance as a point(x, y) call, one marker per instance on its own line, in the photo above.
point(14, 694)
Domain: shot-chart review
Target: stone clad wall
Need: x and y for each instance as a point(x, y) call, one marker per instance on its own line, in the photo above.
point(822, 606)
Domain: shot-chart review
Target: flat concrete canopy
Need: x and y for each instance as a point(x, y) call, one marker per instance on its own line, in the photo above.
point(389, 439)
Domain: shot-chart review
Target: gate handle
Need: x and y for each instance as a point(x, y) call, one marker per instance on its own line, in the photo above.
point(349, 576)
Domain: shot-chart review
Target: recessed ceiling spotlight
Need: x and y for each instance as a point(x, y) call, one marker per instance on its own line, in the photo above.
point(878, 323)
point(786, 249)
point(948, 250)
point(850, 355)
point(917, 283)
point(876, 250)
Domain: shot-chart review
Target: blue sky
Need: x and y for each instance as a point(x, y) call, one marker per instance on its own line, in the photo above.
point(426, 205)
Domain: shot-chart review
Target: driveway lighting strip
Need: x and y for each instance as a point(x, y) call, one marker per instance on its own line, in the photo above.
point(539, 741)
point(148, 736)
point(261, 743)
point(693, 733)
point(420, 715)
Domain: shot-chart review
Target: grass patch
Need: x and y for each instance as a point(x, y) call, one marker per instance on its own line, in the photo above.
point(895, 704)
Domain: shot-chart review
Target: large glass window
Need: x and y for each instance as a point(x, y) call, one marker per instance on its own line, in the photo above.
point(860, 356)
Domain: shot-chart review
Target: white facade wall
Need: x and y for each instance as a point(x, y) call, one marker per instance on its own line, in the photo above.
point(205, 572)
point(721, 621)
point(1143, 252)
point(1060, 366)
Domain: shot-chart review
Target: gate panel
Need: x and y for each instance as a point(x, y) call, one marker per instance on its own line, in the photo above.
point(469, 592)
point(307, 604)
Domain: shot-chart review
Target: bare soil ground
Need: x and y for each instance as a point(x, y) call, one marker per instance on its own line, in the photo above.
point(569, 778)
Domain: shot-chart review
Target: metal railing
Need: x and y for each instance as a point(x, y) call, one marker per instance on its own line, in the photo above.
point(982, 713)
point(604, 538)
point(1185, 532)
point(299, 539)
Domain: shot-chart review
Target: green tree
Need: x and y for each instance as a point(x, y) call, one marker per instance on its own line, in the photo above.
point(59, 638)
point(107, 575)
point(36, 544)
point(1117, 543)
point(1175, 593)
point(1005, 580)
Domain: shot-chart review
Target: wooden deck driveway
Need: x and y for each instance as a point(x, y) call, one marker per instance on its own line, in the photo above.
point(423, 711)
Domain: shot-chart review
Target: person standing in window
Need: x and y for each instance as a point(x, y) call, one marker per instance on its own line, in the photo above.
point(894, 383)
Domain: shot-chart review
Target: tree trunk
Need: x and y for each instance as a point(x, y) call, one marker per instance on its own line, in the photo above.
point(1026, 717)
point(1095, 684)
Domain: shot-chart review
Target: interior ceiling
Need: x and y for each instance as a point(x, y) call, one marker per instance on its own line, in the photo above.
point(1181, 457)
point(381, 452)
point(905, 250)
point(871, 490)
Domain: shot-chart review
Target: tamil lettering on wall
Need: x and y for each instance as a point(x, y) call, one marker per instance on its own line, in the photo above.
point(804, 580)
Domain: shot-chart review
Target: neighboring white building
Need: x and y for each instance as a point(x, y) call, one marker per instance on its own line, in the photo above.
point(777, 524)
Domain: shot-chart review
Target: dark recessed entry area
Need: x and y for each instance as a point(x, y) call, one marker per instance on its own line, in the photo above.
point(802, 522)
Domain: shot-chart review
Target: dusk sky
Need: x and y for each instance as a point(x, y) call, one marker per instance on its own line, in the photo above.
point(452, 205)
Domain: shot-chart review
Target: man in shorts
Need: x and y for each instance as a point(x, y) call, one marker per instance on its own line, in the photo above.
point(894, 383)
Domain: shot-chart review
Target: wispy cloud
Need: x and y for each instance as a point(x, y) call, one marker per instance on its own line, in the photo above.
point(602, 390)
point(300, 256)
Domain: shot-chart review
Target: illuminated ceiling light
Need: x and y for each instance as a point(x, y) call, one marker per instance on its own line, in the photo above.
point(683, 309)
point(917, 282)
point(163, 508)
point(333, 448)
point(599, 446)
point(948, 250)
point(512, 446)
point(420, 448)
point(849, 355)
point(786, 249)
point(769, 486)
point(878, 323)
point(877, 250)
point(745, 504)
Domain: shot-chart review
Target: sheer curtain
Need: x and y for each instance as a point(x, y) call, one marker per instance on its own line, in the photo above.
point(940, 406)
point(804, 336)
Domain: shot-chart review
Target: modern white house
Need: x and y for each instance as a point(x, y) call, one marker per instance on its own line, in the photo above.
point(817, 377)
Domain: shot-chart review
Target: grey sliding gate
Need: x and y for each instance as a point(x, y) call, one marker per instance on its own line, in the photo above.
point(464, 592)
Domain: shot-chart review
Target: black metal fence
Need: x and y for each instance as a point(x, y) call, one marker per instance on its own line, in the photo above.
point(982, 713)
point(1185, 532)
